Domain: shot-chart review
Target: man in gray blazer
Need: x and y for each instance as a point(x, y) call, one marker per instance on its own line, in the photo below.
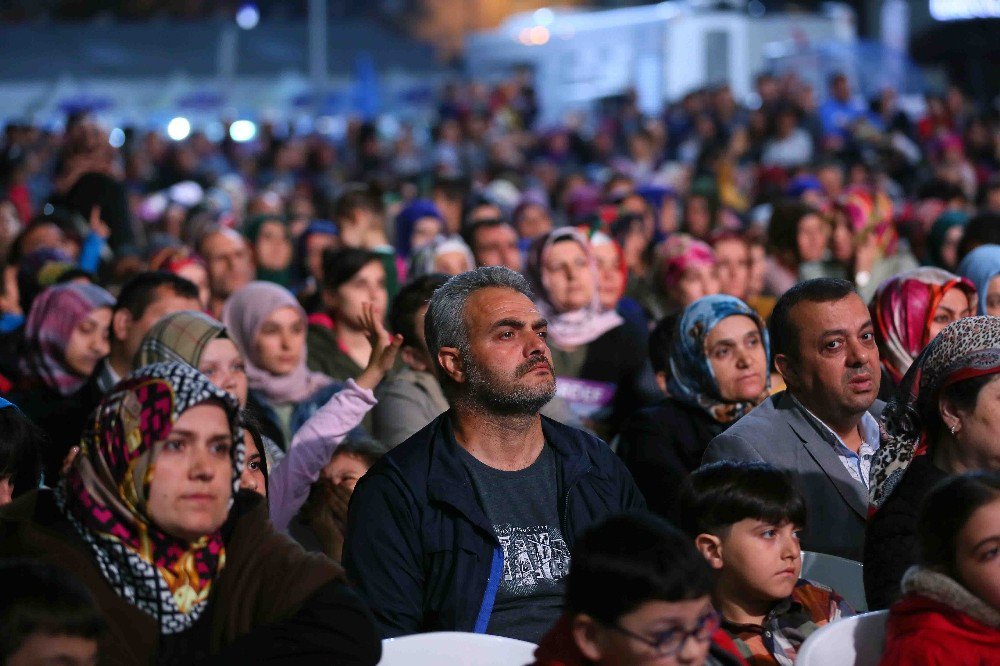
point(823, 428)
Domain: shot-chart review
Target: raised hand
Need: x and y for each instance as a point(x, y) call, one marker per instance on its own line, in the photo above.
point(384, 348)
point(97, 225)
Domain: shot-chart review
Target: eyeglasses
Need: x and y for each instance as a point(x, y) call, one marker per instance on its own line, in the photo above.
point(671, 641)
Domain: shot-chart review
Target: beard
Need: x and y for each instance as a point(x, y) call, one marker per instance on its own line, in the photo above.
point(504, 394)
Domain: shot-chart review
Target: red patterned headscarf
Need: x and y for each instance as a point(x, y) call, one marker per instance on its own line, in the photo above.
point(680, 252)
point(106, 491)
point(903, 309)
point(870, 213)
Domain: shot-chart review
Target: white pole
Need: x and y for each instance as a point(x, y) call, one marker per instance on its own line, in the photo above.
point(226, 57)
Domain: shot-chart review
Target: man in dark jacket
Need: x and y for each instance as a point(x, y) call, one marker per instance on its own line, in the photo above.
point(469, 525)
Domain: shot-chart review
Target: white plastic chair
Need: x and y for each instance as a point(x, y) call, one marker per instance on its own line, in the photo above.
point(857, 640)
point(456, 648)
point(844, 576)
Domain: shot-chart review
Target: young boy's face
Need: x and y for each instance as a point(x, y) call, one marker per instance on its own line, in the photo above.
point(345, 469)
point(760, 560)
point(664, 622)
point(51, 650)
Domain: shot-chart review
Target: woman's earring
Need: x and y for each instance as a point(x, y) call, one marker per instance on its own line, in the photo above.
point(953, 429)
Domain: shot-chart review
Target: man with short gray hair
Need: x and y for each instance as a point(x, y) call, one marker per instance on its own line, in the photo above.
point(469, 524)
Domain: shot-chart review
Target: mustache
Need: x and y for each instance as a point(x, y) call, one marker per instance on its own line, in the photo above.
point(856, 372)
point(533, 363)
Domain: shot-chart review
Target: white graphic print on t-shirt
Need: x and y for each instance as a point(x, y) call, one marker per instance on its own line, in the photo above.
point(532, 557)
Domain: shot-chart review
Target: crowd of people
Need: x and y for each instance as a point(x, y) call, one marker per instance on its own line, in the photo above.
point(596, 386)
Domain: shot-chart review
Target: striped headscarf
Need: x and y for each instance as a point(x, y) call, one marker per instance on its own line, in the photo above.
point(180, 336)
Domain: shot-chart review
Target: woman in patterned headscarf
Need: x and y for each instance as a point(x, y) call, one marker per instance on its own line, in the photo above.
point(719, 371)
point(66, 335)
point(942, 421)
point(865, 244)
point(686, 270)
point(909, 310)
point(150, 520)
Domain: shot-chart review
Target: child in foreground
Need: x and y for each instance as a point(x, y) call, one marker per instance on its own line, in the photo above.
point(637, 593)
point(950, 611)
point(745, 518)
point(46, 617)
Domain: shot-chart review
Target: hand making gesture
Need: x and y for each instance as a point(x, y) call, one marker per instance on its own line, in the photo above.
point(385, 346)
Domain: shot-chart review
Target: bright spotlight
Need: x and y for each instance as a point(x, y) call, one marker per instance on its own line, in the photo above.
point(248, 16)
point(179, 128)
point(539, 35)
point(242, 131)
point(544, 16)
point(116, 138)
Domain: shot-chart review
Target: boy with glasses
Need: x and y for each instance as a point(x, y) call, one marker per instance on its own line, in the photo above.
point(638, 592)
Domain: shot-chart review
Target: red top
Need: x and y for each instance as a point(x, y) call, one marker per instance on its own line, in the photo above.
point(924, 632)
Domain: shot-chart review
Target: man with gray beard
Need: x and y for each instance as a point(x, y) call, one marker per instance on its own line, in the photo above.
point(469, 524)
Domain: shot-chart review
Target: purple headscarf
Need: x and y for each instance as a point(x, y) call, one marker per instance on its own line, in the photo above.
point(406, 222)
point(54, 315)
point(244, 315)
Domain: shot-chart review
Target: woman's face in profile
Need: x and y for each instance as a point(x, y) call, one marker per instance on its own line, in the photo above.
point(976, 443)
point(978, 554)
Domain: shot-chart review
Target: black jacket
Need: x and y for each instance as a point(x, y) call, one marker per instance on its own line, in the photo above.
point(61, 418)
point(419, 547)
point(891, 536)
point(271, 603)
point(661, 446)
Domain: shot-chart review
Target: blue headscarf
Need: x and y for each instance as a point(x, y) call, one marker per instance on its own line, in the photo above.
point(980, 266)
point(299, 268)
point(406, 220)
point(4, 404)
point(691, 378)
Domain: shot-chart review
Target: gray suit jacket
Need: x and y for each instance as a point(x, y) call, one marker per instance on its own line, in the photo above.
point(779, 432)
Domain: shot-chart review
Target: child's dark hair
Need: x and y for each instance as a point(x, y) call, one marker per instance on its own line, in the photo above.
point(718, 495)
point(946, 510)
point(21, 443)
point(252, 426)
point(365, 448)
point(629, 559)
point(342, 264)
point(409, 300)
point(39, 598)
